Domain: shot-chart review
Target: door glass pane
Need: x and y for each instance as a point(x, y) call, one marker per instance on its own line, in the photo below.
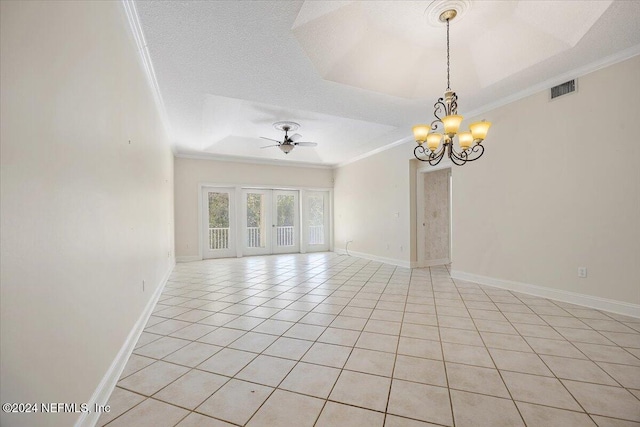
point(255, 221)
point(316, 220)
point(285, 220)
point(218, 220)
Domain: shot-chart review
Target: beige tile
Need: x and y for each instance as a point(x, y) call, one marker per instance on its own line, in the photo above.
point(345, 322)
point(193, 315)
point(395, 421)
point(336, 414)
point(420, 348)
point(149, 380)
point(236, 401)
point(486, 314)
point(191, 389)
point(120, 401)
point(528, 363)
point(364, 390)
point(540, 390)
point(379, 342)
point(544, 416)
point(420, 370)
point(395, 316)
point(167, 327)
point(245, 323)
point(197, 420)
point(495, 326)
point(314, 380)
point(146, 338)
point(193, 354)
point(193, 331)
point(285, 409)
point(476, 379)
point(470, 355)
point(327, 354)
point(357, 312)
point(227, 362)
point(339, 336)
point(222, 336)
point(604, 400)
point(134, 364)
point(370, 362)
point(537, 331)
point(505, 341)
point(555, 347)
point(218, 319)
point(606, 353)
point(288, 348)
point(460, 336)
point(266, 370)
point(456, 322)
point(612, 422)
point(420, 331)
point(628, 376)
point(254, 342)
point(151, 413)
point(420, 401)
point(623, 339)
point(477, 410)
point(579, 370)
point(273, 327)
point(383, 327)
point(583, 335)
point(305, 332)
point(162, 347)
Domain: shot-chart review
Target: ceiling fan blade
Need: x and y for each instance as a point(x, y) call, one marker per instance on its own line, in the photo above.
point(274, 145)
point(270, 139)
point(295, 137)
point(306, 144)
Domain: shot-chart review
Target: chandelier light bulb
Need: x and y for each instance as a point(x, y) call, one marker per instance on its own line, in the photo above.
point(433, 141)
point(479, 129)
point(451, 124)
point(420, 133)
point(465, 139)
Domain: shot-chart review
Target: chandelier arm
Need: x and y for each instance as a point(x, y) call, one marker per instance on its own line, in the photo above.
point(476, 148)
point(438, 108)
point(431, 157)
point(457, 157)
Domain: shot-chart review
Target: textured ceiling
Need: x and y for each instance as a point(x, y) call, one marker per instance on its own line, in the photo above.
point(357, 74)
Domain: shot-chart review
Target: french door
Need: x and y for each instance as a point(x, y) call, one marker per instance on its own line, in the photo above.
point(218, 222)
point(316, 220)
point(270, 221)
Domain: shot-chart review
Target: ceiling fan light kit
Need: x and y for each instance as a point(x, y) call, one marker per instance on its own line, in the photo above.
point(470, 142)
point(290, 141)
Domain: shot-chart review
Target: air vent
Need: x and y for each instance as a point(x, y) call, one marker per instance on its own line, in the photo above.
point(563, 89)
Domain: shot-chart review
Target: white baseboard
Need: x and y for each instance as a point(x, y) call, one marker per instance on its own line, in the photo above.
point(105, 388)
point(598, 303)
point(188, 258)
point(392, 261)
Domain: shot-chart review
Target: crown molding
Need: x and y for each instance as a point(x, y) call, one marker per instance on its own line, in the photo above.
point(251, 160)
point(623, 55)
point(143, 52)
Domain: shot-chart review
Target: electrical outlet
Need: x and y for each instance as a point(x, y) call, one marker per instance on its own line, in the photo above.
point(582, 272)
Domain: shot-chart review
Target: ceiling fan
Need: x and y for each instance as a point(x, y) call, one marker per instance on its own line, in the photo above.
point(290, 141)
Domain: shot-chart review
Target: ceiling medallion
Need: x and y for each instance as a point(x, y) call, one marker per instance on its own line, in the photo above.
point(470, 142)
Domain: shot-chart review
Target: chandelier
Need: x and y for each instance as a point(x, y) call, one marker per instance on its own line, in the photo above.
point(470, 142)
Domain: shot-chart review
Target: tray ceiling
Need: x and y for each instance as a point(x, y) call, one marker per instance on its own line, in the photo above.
point(357, 74)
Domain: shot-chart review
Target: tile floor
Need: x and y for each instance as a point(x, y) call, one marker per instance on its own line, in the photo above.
point(326, 340)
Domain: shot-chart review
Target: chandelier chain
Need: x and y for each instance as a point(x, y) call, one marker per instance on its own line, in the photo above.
point(448, 82)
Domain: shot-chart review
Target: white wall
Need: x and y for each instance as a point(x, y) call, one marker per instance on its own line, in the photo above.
point(373, 207)
point(85, 216)
point(558, 188)
point(189, 173)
